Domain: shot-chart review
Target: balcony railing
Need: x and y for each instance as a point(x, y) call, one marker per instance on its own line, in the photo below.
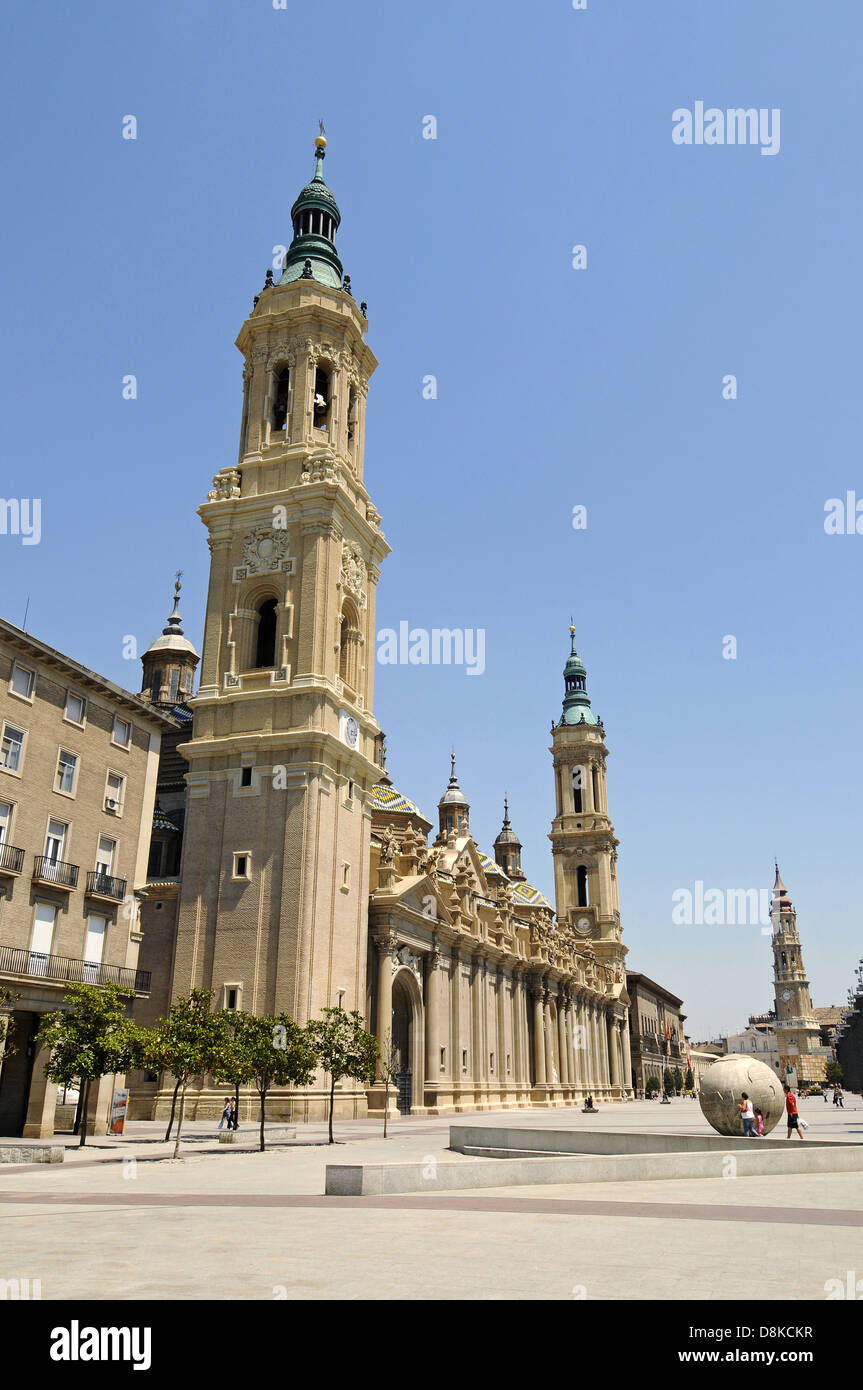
point(55, 871)
point(36, 964)
point(11, 859)
point(105, 886)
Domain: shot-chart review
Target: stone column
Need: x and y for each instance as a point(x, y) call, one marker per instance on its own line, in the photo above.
point(615, 1053)
point(562, 1041)
point(539, 1036)
point(385, 996)
point(627, 1055)
point(546, 1035)
point(504, 1080)
point(42, 1100)
point(433, 1030)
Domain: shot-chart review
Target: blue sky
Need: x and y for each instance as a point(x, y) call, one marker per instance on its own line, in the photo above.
point(556, 387)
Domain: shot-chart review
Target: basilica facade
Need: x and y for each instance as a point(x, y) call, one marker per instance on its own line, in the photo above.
point(287, 873)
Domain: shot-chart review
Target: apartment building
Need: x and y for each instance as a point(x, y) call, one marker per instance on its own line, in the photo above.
point(78, 764)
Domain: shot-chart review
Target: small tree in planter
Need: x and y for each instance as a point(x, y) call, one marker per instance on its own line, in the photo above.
point(268, 1051)
point(92, 1039)
point(388, 1068)
point(689, 1080)
point(343, 1047)
point(191, 1041)
point(652, 1084)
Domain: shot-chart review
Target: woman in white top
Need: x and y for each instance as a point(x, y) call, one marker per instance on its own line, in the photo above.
point(747, 1114)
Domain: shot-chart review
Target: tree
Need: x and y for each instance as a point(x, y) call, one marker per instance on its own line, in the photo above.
point(388, 1066)
point(266, 1051)
point(191, 1041)
point(91, 1039)
point(651, 1084)
point(674, 1080)
point(834, 1073)
point(689, 1080)
point(343, 1047)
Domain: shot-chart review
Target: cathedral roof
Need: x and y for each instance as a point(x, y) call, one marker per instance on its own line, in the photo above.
point(489, 867)
point(382, 798)
point(453, 796)
point(529, 896)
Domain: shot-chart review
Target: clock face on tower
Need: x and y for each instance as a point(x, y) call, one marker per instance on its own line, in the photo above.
point(786, 994)
point(349, 729)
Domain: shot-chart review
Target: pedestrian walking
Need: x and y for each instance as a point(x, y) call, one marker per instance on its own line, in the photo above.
point(747, 1114)
point(791, 1112)
point(226, 1114)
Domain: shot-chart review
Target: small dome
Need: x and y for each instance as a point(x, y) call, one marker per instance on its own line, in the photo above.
point(453, 796)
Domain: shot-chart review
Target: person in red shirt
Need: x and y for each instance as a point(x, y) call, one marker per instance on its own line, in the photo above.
point(791, 1113)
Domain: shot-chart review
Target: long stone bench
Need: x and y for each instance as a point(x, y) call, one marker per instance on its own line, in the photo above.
point(32, 1153)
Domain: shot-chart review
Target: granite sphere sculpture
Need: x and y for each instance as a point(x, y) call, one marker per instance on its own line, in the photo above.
point(721, 1087)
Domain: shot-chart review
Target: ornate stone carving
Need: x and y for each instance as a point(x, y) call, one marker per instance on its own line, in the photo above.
point(321, 469)
point(225, 486)
point(353, 573)
point(406, 957)
point(264, 550)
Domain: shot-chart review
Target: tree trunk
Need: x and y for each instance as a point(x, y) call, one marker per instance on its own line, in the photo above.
point(82, 1141)
point(79, 1107)
point(263, 1095)
point(332, 1103)
point(173, 1112)
point(180, 1120)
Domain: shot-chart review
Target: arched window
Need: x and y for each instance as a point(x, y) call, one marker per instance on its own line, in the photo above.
point(581, 880)
point(349, 647)
point(595, 775)
point(265, 647)
point(282, 385)
point(156, 685)
point(577, 782)
point(321, 407)
point(352, 416)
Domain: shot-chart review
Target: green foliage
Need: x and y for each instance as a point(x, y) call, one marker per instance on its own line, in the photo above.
point(343, 1048)
point(90, 1039)
point(689, 1080)
point(269, 1051)
point(191, 1041)
point(652, 1084)
point(834, 1073)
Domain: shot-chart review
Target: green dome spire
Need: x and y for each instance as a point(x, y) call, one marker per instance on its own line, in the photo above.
point(576, 701)
point(315, 218)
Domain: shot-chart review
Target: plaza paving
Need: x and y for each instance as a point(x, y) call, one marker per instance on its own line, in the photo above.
point(229, 1222)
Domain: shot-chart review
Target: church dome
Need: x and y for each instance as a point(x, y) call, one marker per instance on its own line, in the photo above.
point(315, 218)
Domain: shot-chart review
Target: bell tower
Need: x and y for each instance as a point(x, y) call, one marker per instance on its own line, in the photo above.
point(275, 879)
point(584, 846)
point(797, 1030)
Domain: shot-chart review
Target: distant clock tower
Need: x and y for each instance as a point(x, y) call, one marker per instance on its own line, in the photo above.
point(797, 1031)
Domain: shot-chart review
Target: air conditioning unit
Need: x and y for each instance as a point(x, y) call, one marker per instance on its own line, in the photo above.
point(111, 804)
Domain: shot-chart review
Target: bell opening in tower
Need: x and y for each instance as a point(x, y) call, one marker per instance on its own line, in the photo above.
point(265, 647)
point(279, 416)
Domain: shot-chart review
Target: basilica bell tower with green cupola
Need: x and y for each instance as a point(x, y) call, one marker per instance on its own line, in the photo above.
point(275, 880)
point(584, 846)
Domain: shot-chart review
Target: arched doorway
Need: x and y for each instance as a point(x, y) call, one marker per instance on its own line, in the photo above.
point(407, 1039)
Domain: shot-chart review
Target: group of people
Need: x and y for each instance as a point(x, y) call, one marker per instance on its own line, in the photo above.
point(838, 1096)
point(753, 1119)
point(229, 1114)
